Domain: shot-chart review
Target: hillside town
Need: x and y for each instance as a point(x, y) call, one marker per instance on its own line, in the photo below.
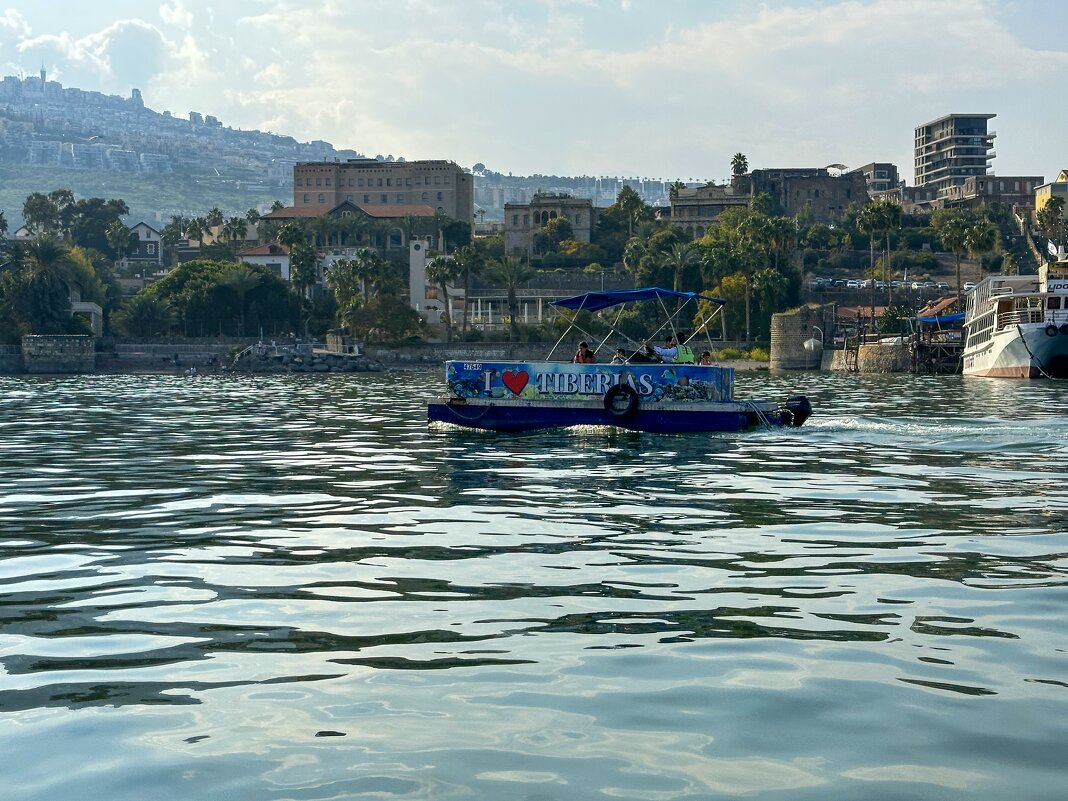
point(391, 249)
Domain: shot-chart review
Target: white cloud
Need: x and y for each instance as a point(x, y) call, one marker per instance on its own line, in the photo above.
point(570, 87)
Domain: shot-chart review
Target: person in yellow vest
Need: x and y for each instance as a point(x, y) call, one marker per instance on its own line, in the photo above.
point(683, 354)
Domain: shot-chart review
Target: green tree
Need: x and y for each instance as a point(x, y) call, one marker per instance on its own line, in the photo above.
point(241, 280)
point(510, 273)
point(118, 236)
point(441, 271)
point(633, 208)
point(682, 257)
point(469, 264)
point(145, 316)
point(952, 229)
point(739, 164)
point(43, 299)
point(303, 267)
point(982, 237)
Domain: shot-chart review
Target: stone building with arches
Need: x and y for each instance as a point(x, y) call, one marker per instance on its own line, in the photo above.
point(523, 220)
point(695, 210)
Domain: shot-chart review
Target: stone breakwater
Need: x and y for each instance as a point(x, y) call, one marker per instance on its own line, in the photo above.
point(315, 362)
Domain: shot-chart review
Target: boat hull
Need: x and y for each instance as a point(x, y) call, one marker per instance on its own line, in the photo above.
point(1026, 351)
point(661, 398)
point(519, 416)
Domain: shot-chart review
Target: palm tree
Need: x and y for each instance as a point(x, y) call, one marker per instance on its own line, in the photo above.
point(236, 228)
point(680, 258)
point(632, 206)
point(981, 238)
point(739, 164)
point(242, 279)
point(952, 230)
point(469, 264)
point(214, 216)
point(303, 267)
point(277, 205)
point(47, 271)
point(510, 272)
point(146, 315)
point(676, 187)
point(252, 215)
point(118, 239)
point(441, 270)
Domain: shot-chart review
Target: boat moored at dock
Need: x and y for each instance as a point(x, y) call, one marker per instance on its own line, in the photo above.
point(1016, 326)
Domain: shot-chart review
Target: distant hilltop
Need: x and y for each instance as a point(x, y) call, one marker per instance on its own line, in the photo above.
point(44, 124)
point(53, 137)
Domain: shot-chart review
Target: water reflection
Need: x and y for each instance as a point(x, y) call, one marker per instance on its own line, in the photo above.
point(293, 582)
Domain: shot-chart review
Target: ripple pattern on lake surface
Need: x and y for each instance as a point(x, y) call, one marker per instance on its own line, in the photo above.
point(284, 587)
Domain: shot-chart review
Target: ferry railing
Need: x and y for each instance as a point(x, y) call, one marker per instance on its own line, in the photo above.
point(1011, 319)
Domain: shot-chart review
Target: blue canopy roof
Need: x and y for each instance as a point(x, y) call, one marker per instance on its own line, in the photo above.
point(595, 301)
point(947, 318)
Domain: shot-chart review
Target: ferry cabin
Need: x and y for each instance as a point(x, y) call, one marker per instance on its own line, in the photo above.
point(1007, 302)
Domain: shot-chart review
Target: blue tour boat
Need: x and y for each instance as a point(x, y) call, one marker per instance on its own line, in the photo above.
point(654, 397)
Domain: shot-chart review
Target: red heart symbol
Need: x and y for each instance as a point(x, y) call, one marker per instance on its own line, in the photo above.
point(515, 381)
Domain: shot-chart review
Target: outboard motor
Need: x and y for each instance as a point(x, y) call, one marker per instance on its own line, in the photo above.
point(796, 411)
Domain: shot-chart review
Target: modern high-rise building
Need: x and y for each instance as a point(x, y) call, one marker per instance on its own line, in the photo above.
point(952, 149)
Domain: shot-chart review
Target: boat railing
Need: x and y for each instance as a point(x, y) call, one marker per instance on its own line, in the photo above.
point(1011, 319)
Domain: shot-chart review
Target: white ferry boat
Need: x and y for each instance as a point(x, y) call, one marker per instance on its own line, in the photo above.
point(1016, 326)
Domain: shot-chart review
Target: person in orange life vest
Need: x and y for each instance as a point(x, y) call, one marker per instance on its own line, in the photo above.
point(584, 355)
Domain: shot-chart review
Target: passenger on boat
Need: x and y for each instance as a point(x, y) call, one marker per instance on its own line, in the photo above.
point(706, 359)
point(584, 355)
point(683, 355)
point(669, 351)
point(620, 357)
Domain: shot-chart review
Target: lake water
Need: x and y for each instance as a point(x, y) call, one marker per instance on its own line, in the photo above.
point(280, 587)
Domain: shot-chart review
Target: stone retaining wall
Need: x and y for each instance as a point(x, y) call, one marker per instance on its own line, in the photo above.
point(882, 358)
point(317, 362)
point(64, 353)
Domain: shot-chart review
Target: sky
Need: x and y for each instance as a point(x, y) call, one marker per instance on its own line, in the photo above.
point(644, 88)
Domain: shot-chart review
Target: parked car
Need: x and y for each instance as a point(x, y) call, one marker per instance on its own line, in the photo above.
point(880, 285)
point(917, 285)
point(969, 286)
point(941, 285)
point(853, 285)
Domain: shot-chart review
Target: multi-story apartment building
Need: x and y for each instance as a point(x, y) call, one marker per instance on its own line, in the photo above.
point(1012, 190)
point(951, 149)
point(523, 221)
point(442, 185)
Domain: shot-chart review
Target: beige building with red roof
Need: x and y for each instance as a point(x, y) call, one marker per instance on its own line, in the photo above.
point(384, 189)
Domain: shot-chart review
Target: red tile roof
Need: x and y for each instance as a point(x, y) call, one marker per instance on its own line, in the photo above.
point(270, 249)
point(383, 211)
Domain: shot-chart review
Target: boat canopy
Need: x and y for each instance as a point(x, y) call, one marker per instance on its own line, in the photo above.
point(595, 301)
point(947, 318)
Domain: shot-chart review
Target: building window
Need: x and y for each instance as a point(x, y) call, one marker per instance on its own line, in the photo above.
point(440, 196)
point(318, 181)
point(418, 180)
point(389, 182)
point(578, 219)
point(446, 179)
point(366, 198)
point(515, 220)
point(348, 198)
point(380, 182)
point(300, 182)
point(350, 183)
point(400, 198)
point(307, 198)
point(526, 220)
point(150, 249)
point(385, 199)
point(328, 182)
point(359, 182)
point(322, 198)
point(425, 196)
point(437, 180)
point(407, 181)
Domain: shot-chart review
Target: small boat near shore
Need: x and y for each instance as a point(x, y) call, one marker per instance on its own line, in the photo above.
point(655, 397)
point(1016, 326)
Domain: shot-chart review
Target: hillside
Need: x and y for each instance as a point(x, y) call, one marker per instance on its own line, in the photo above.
point(152, 198)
